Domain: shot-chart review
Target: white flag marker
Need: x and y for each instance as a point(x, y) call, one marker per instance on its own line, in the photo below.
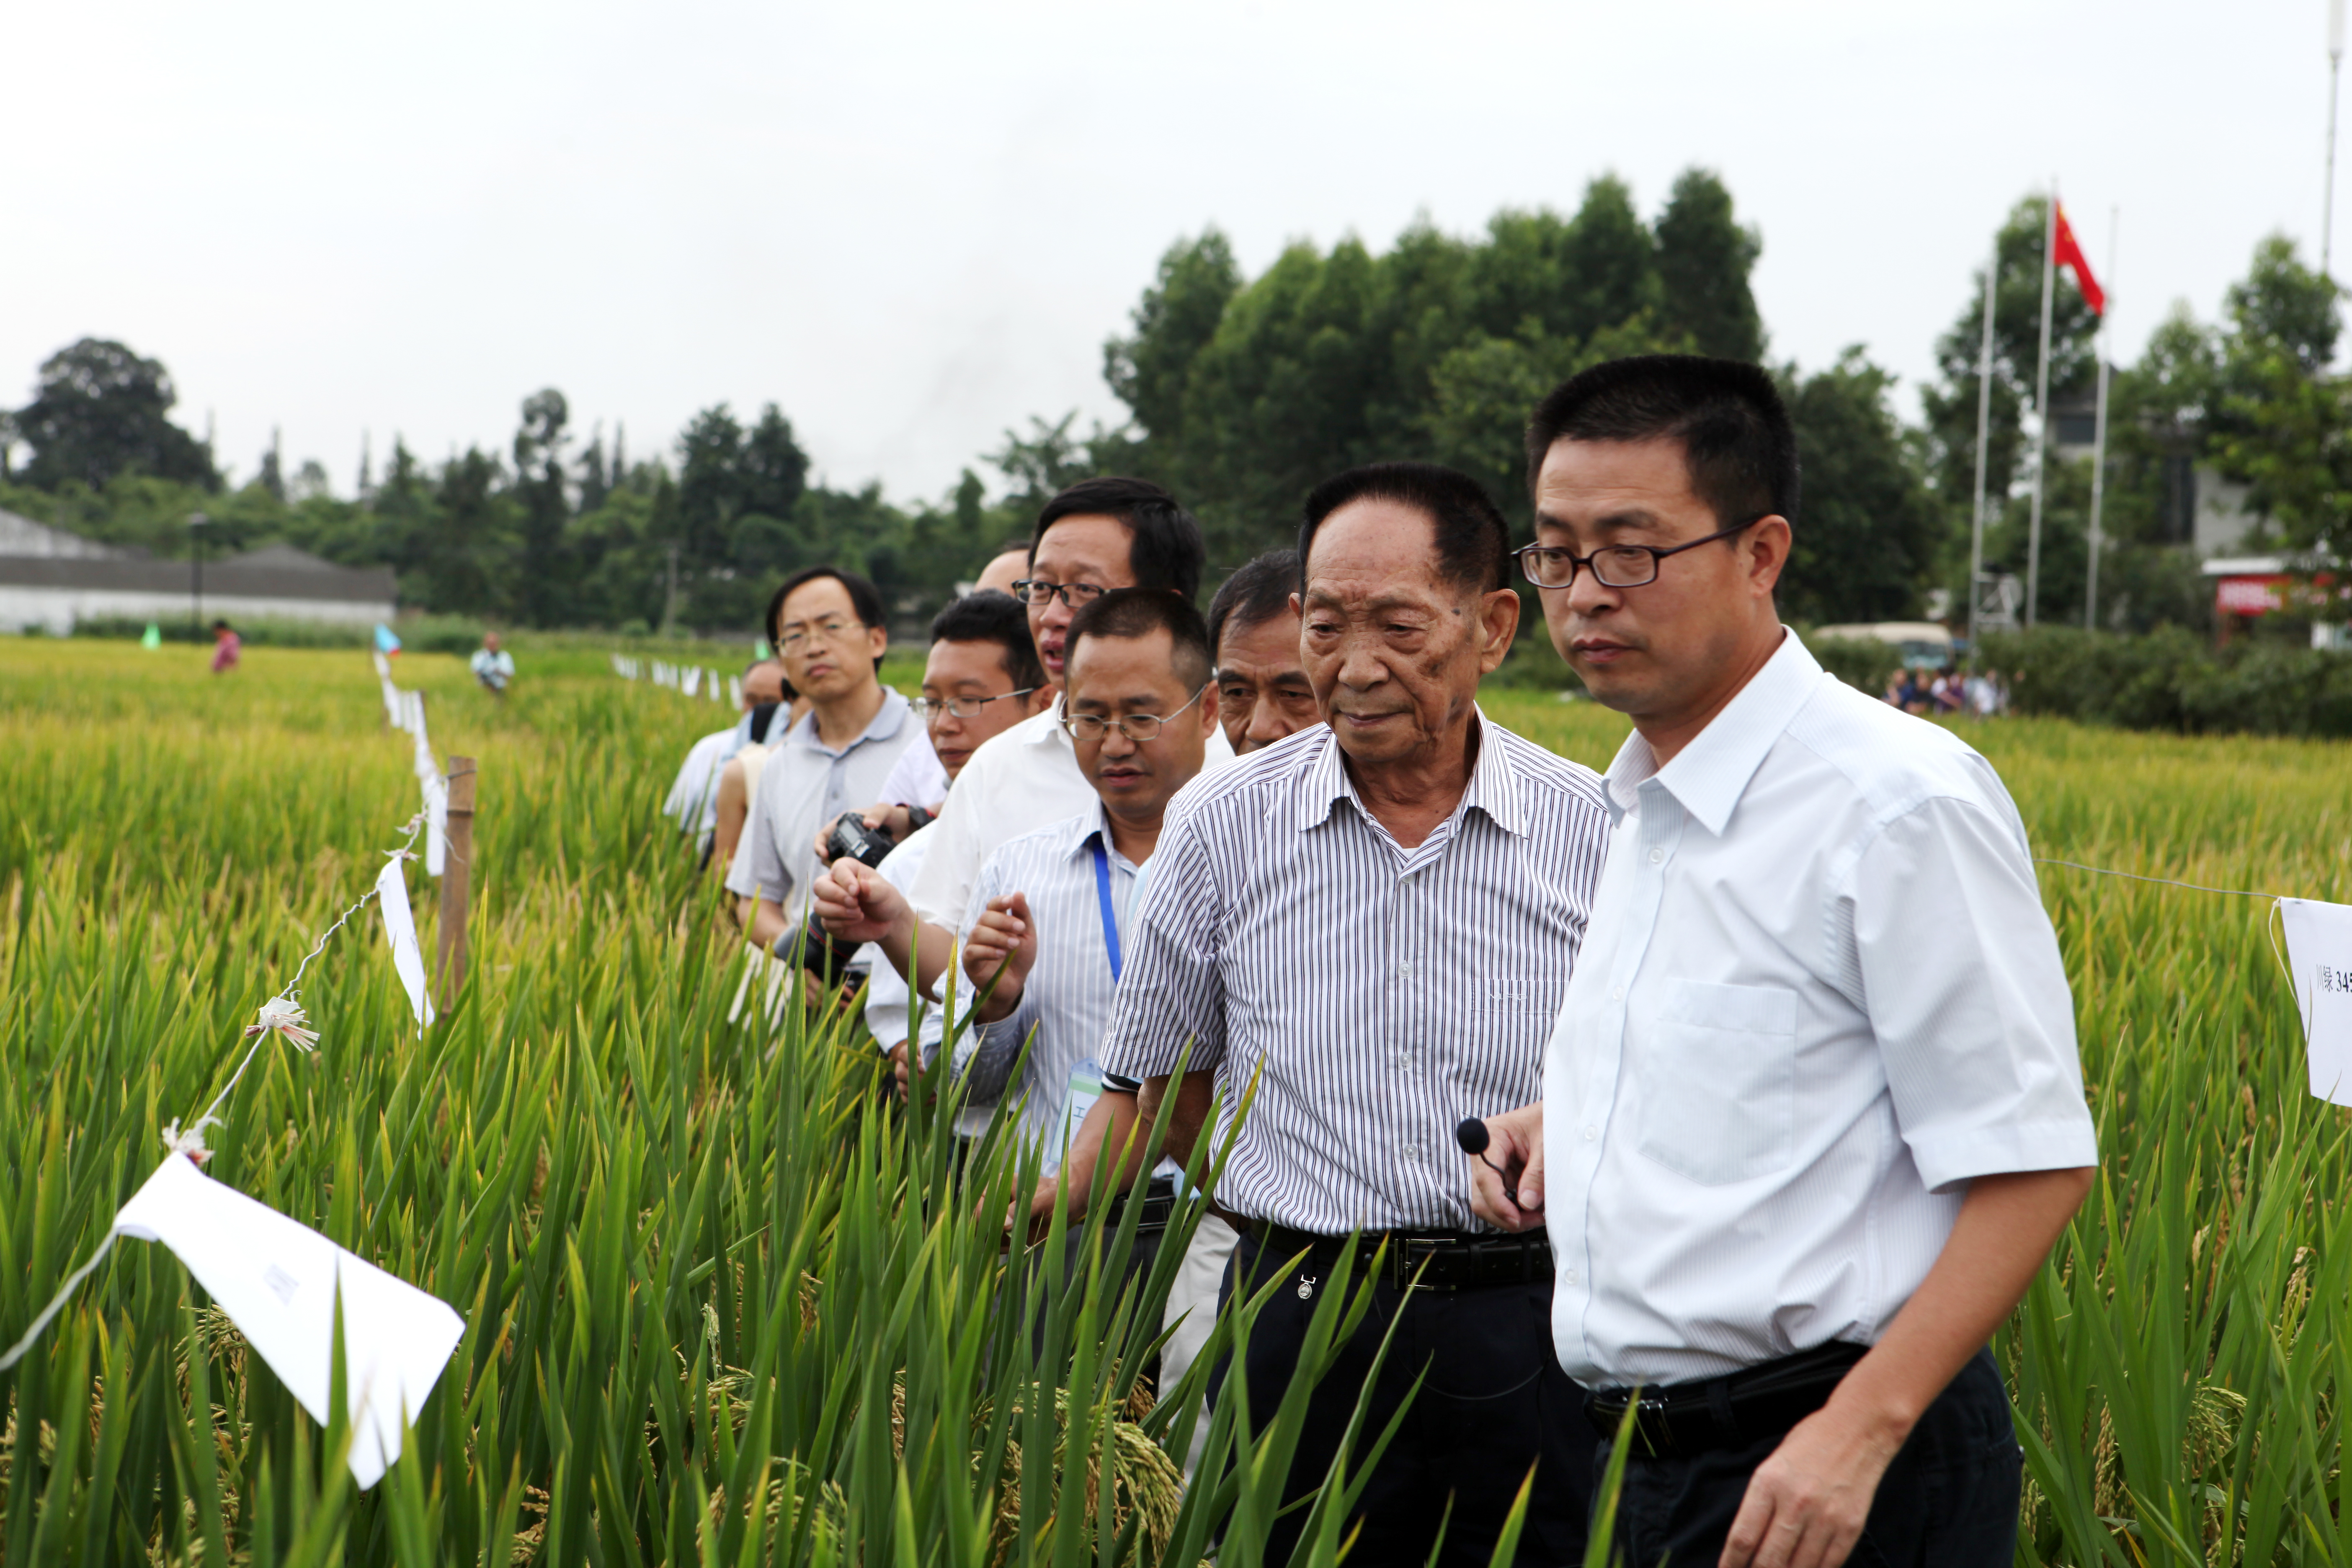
point(710, 683)
point(2320, 956)
point(437, 824)
point(277, 1279)
point(400, 930)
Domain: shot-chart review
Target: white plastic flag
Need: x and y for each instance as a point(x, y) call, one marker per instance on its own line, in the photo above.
point(277, 1281)
point(2320, 956)
point(734, 692)
point(436, 824)
point(710, 683)
point(693, 680)
point(383, 665)
point(400, 930)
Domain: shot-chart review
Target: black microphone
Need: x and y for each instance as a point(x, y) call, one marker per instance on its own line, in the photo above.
point(1473, 1137)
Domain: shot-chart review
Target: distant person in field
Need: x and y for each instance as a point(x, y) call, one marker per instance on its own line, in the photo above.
point(227, 647)
point(1811, 1115)
point(493, 667)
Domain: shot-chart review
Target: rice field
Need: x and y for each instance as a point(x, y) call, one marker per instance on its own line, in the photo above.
point(722, 1306)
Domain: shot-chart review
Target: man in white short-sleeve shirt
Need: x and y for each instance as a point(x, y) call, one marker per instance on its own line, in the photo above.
point(1812, 1114)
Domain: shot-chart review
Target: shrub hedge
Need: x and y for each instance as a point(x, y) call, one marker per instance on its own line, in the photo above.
point(2172, 680)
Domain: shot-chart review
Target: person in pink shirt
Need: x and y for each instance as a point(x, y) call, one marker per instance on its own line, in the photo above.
point(227, 647)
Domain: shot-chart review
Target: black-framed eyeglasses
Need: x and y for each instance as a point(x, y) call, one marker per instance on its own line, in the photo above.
point(1137, 727)
point(1037, 590)
point(1613, 565)
point(960, 707)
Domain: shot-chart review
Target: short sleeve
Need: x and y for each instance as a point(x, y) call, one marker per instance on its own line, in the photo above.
point(1960, 972)
point(1171, 992)
point(759, 869)
point(942, 893)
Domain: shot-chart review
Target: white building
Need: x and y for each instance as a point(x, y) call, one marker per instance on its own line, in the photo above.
point(52, 579)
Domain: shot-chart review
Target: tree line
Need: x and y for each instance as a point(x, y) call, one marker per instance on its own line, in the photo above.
point(1241, 392)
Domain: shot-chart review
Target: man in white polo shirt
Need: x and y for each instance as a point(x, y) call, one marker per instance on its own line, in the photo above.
point(1812, 1114)
point(827, 625)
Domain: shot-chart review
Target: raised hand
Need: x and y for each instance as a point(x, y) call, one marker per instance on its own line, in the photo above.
point(1003, 938)
point(856, 904)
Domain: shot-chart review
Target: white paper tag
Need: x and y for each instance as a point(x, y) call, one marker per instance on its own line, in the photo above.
point(278, 1280)
point(400, 930)
point(693, 680)
point(383, 665)
point(437, 824)
point(2320, 956)
point(711, 684)
point(734, 692)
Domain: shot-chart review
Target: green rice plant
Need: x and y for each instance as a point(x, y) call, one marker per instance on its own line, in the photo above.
point(723, 1306)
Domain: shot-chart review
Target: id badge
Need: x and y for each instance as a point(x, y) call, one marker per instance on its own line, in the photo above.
point(1078, 1096)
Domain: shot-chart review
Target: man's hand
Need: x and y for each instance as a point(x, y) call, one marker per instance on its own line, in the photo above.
point(1003, 938)
point(856, 904)
point(898, 1065)
point(1807, 1504)
point(1516, 1145)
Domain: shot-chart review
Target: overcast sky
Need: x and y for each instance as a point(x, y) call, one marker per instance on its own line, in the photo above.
point(914, 225)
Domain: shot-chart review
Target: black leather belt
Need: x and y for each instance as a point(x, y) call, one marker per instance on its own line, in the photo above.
point(1728, 1412)
point(1159, 1201)
point(1435, 1260)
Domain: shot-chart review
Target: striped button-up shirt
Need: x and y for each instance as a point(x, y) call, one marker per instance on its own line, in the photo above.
point(1067, 996)
point(1377, 994)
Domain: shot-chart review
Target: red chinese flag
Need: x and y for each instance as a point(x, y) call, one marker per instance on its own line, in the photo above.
point(2067, 252)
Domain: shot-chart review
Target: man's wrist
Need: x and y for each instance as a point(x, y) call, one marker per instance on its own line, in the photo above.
point(1874, 1401)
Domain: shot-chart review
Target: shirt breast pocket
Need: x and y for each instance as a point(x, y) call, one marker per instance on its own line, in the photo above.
point(1720, 1082)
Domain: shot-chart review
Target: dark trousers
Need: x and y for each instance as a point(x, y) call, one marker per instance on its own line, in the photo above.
point(1494, 1403)
point(1948, 1500)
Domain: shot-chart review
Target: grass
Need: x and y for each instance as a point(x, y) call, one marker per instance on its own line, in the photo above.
point(721, 1307)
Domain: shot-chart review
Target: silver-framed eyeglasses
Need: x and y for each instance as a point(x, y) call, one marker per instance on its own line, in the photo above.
point(1612, 565)
point(833, 630)
point(1037, 591)
point(1137, 727)
point(929, 707)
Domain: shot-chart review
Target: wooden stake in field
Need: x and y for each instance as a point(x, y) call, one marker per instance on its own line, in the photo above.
point(456, 880)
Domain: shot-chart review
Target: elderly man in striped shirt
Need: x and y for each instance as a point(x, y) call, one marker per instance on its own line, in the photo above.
point(1375, 919)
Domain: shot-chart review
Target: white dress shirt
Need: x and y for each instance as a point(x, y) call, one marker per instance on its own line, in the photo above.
point(1377, 994)
point(1819, 993)
point(694, 792)
point(918, 779)
point(1022, 780)
point(887, 995)
point(806, 783)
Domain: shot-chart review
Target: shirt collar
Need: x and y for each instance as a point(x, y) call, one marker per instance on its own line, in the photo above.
point(1046, 728)
point(1494, 787)
point(883, 726)
point(1708, 776)
point(1087, 829)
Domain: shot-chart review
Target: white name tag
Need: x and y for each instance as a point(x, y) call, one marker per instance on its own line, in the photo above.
point(2319, 954)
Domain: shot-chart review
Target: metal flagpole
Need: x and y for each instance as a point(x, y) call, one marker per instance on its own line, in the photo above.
point(2041, 407)
point(2335, 66)
point(2099, 429)
point(1984, 427)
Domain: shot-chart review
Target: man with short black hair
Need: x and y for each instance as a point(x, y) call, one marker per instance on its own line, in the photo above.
point(1372, 923)
point(827, 626)
point(1263, 694)
point(1812, 1114)
point(1094, 536)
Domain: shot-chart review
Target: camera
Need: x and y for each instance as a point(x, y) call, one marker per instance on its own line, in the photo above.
point(852, 837)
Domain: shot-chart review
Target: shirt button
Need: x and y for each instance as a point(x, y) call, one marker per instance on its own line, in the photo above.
point(1590, 1133)
point(1570, 1276)
point(1656, 855)
point(1616, 993)
point(1410, 1151)
point(1404, 968)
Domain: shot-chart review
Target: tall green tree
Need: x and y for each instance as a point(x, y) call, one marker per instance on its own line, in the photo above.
point(99, 410)
point(545, 587)
point(1867, 533)
point(1704, 256)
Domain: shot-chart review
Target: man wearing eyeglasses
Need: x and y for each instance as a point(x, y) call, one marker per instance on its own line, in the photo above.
point(827, 628)
point(1045, 944)
point(1371, 924)
point(1094, 537)
point(1812, 1113)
